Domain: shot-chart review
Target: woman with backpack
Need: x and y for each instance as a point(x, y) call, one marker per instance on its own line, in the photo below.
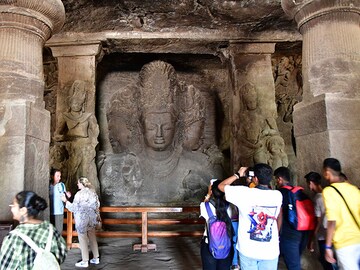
point(216, 246)
point(15, 252)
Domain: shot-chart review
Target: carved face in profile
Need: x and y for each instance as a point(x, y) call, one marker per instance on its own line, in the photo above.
point(159, 130)
point(193, 135)
point(131, 171)
point(119, 133)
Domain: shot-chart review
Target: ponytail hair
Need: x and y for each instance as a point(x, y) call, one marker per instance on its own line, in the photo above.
point(33, 203)
point(221, 206)
point(85, 182)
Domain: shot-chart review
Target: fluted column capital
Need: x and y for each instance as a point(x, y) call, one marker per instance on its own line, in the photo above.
point(303, 11)
point(41, 17)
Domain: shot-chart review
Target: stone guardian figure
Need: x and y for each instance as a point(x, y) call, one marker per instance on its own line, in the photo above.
point(254, 129)
point(80, 130)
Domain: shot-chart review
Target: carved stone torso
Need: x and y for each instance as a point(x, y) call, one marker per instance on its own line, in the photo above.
point(169, 172)
point(77, 125)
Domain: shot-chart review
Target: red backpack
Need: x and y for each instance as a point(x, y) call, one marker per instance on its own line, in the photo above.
point(301, 213)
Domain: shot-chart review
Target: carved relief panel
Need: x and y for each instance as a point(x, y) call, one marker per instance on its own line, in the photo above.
point(288, 92)
point(75, 138)
point(258, 138)
point(157, 133)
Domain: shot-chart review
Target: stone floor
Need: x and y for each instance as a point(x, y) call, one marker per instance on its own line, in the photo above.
point(172, 253)
point(181, 253)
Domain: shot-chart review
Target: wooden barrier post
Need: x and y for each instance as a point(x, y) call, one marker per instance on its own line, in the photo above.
point(69, 229)
point(144, 246)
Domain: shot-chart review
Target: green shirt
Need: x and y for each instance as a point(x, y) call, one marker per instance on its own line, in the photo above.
point(16, 254)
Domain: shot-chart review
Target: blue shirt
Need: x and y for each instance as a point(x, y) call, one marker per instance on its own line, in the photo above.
point(56, 204)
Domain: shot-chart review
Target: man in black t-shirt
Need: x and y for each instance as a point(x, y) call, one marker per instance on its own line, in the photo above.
point(292, 241)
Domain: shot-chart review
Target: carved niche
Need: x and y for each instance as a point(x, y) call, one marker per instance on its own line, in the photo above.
point(257, 136)
point(288, 92)
point(156, 129)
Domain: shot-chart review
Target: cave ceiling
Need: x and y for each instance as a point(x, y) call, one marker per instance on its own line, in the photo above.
point(189, 26)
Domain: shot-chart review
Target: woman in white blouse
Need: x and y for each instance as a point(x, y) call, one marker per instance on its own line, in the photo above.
point(86, 214)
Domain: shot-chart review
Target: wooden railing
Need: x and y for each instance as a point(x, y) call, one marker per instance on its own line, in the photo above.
point(179, 213)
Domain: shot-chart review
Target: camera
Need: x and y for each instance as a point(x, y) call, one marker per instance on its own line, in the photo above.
point(249, 173)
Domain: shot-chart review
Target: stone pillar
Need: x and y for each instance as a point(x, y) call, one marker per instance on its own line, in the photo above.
point(250, 63)
point(326, 122)
point(77, 62)
point(24, 124)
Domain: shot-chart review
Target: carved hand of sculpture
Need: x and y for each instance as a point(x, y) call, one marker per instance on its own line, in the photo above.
point(58, 138)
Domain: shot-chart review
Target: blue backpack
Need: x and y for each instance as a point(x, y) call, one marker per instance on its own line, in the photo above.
point(218, 238)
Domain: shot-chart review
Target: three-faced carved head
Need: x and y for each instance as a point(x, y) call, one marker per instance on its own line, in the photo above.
point(158, 104)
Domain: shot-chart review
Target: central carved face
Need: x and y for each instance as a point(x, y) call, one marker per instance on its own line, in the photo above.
point(159, 130)
point(251, 101)
point(76, 104)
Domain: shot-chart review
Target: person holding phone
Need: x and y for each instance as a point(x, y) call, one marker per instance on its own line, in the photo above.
point(56, 190)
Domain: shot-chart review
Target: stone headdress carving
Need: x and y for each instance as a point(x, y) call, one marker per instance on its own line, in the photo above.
point(123, 105)
point(193, 105)
point(158, 87)
point(78, 92)
point(248, 92)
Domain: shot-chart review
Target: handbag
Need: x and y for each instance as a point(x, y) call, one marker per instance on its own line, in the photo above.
point(99, 222)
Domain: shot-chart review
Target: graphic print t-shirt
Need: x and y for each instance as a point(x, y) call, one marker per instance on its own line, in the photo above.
point(258, 236)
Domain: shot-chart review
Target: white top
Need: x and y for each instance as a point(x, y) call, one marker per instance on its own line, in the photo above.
point(320, 212)
point(258, 235)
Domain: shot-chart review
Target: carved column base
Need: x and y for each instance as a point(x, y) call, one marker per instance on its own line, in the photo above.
point(328, 126)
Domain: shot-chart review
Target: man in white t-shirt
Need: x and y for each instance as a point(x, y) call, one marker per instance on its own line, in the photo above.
point(259, 211)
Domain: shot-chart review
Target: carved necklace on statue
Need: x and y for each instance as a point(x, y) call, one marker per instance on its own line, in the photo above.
point(158, 165)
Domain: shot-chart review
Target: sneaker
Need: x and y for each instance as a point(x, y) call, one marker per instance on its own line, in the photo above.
point(82, 264)
point(235, 267)
point(95, 261)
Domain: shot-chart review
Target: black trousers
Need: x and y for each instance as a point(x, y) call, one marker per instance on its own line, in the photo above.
point(210, 263)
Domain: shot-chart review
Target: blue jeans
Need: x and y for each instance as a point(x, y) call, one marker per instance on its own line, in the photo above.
point(235, 260)
point(210, 263)
point(247, 263)
point(292, 248)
